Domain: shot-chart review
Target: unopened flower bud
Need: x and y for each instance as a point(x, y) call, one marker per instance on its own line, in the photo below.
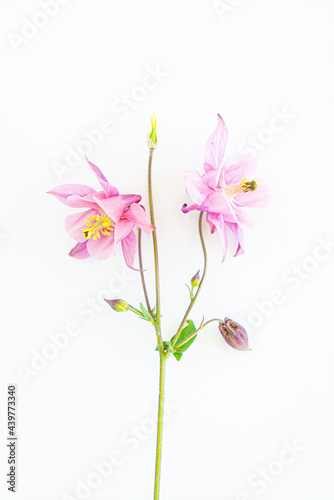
point(152, 138)
point(234, 334)
point(195, 280)
point(118, 305)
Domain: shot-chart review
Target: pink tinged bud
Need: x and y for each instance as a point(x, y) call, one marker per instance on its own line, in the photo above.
point(195, 280)
point(118, 305)
point(234, 334)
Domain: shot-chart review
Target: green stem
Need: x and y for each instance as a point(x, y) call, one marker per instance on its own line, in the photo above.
point(191, 336)
point(211, 320)
point(157, 324)
point(160, 425)
point(193, 300)
point(142, 273)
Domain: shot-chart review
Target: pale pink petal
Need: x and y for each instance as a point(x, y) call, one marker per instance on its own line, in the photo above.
point(217, 202)
point(102, 247)
point(75, 223)
point(107, 188)
point(243, 217)
point(218, 221)
point(75, 201)
point(80, 251)
point(62, 193)
point(114, 207)
point(215, 146)
point(236, 229)
point(212, 227)
point(257, 198)
point(137, 215)
point(129, 246)
point(196, 187)
point(122, 229)
point(242, 167)
point(211, 178)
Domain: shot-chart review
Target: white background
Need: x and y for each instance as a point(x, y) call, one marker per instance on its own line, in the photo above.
point(231, 414)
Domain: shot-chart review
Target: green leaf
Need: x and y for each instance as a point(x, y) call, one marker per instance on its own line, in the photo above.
point(178, 351)
point(190, 291)
point(145, 313)
point(187, 330)
point(165, 345)
point(178, 355)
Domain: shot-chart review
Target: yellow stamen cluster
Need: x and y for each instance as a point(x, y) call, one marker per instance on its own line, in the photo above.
point(234, 189)
point(100, 224)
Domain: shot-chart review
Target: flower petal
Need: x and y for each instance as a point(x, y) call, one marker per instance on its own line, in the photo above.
point(74, 224)
point(218, 221)
point(196, 187)
point(236, 229)
point(212, 227)
point(215, 146)
point(63, 192)
point(75, 201)
point(211, 178)
point(114, 207)
point(129, 246)
point(107, 188)
point(243, 217)
point(122, 229)
point(243, 166)
point(217, 202)
point(80, 251)
point(136, 214)
point(185, 209)
point(257, 198)
point(101, 248)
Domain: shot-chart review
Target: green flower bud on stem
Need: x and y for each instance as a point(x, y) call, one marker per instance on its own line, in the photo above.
point(152, 138)
point(195, 280)
point(118, 305)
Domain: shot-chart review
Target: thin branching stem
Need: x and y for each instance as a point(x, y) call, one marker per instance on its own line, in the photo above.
point(193, 300)
point(192, 335)
point(157, 322)
point(142, 274)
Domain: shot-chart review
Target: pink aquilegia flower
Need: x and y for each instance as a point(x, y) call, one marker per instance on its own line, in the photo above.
point(224, 189)
point(109, 218)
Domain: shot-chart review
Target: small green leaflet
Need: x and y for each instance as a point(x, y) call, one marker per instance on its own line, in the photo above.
point(146, 314)
point(187, 330)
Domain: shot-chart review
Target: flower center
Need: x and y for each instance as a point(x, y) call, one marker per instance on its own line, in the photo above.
point(243, 187)
point(100, 224)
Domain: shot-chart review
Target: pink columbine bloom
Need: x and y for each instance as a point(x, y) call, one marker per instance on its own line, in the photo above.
point(224, 189)
point(109, 218)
